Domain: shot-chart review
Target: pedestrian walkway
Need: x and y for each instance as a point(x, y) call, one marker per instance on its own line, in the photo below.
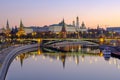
point(5, 52)
point(10, 54)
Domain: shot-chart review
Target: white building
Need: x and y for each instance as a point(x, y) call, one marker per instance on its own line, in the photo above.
point(58, 27)
point(36, 29)
point(28, 30)
point(80, 28)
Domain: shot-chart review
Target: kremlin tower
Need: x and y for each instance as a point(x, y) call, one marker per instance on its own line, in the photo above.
point(21, 31)
point(7, 31)
point(63, 30)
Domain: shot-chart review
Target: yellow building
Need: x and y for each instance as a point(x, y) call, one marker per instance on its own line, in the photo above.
point(7, 30)
point(21, 31)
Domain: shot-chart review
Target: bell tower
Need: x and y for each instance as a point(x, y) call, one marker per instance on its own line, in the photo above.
point(77, 22)
point(21, 31)
point(7, 27)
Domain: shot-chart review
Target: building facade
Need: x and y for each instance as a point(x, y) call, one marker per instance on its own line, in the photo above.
point(56, 28)
point(113, 29)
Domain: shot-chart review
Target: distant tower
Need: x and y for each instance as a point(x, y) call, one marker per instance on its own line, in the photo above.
point(63, 27)
point(7, 27)
point(21, 31)
point(73, 23)
point(83, 25)
point(77, 22)
point(63, 30)
point(13, 31)
point(16, 29)
point(21, 25)
point(7, 31)
point(98, 27)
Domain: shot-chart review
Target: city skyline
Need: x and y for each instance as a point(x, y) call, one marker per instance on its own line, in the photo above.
point(47, 12)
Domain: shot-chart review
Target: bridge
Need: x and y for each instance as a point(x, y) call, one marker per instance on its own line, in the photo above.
point(18, 50)
point(98, 40)
point(36, 39)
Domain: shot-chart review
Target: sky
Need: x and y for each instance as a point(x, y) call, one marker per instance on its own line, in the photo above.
point(46, 12)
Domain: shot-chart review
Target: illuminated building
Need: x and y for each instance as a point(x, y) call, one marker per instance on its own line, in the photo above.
point(81, 28)
point(56, 28)
point(2, 30)
point(7, 30)
point(7, 27)
point(21, 31)
point(63, 33)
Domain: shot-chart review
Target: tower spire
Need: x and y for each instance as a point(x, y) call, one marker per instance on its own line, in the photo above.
point(83, 25)
point(63, 27)
point(21, 24)
point(21, 29)
point(63, 30)
point(7, 25)
point(7, 28)
point(77, 22)
point(73, 23)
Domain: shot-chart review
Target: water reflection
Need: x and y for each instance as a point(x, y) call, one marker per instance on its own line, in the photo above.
point(75, 57)
point(78, 64)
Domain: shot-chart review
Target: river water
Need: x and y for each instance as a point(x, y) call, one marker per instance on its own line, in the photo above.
point(40, 65)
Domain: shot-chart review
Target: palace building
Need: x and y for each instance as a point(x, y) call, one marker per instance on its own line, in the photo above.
point(56, 28)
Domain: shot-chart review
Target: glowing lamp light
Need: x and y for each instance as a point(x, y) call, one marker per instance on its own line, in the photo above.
point(39, 52)
point(39, 40)
point(101, 54)
point(101, 39)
